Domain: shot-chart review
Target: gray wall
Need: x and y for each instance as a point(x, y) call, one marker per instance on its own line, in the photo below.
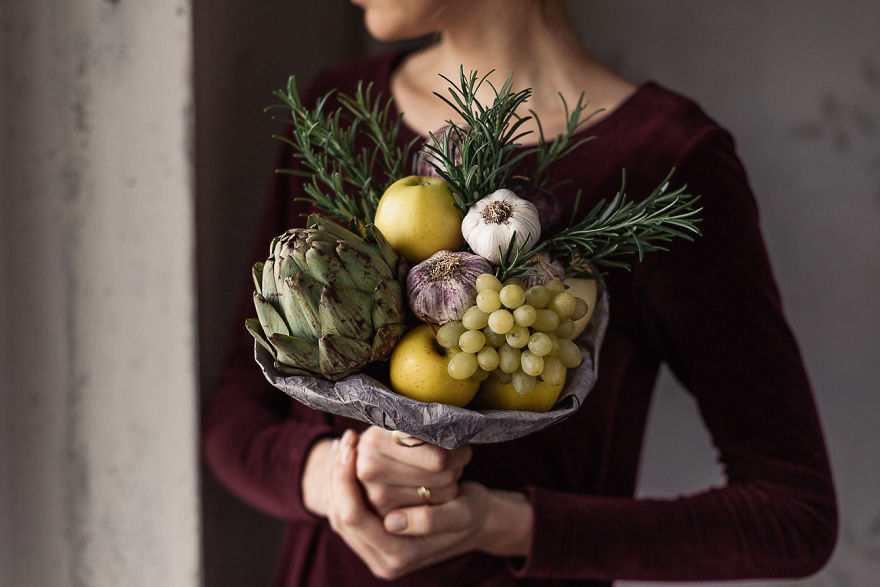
point(98, 410)
point(798, 83)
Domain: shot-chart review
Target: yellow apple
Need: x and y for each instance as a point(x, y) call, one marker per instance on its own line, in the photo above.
point(418, 370)
point(494, 395)
point(418, 217)
point(588, 290)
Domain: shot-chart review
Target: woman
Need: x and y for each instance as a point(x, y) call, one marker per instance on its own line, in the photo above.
point(557, 507)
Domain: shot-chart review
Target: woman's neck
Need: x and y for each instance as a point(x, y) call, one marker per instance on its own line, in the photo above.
point(536, 43)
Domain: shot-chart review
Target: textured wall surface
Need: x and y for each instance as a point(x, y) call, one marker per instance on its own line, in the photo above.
point(798, 84)
point(796, 81)
point(99, 470)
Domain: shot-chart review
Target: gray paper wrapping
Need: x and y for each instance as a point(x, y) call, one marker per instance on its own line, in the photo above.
point(364, 398)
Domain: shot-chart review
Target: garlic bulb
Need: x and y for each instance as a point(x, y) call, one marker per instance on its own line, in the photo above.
point(443, 286)
point(491, 222)
point(541, 269)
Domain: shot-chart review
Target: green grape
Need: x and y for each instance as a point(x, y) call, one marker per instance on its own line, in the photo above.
point(545, 320)
point(563, 304)
point(554, 371)
point(447, 335)
point(512, 295)
point(525, 315)
point(540, 344)
point(508, 358)
point(475, 319)
point(501, 376)
point(565, 328)
point(580, 309)
point(487, 358)
point(531, 363)
point(481, 375)
point(494, 338)
point(462, 365)
point(569, 353)
point(501, 321)
point(488, 300)
point(471, 341)
point(554, 340)
point(518, 337)
point(555, 286)
point(538, 296)
point(487, 281)
point(523, 383)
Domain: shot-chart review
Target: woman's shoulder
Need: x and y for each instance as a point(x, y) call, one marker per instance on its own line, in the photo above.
point(671, 121)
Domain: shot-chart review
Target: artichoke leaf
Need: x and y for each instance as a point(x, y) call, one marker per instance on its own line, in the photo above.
point(253, 326)
point(364, 269)
point(387, 304)
point(337, 230)
point(285, 268)
point(295, 352)
point(385, 339)
point(327, 267)
point(267, 282)
point(324, 245)
point(270, 319)
point(346, 311)
point(304, 293)
point(392, 259)
point(281, 242)
point(342, 234)
point(339, 355)
point(291, 370)
point(257, 274)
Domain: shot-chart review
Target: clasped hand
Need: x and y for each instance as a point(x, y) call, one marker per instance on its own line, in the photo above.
point(371, 499)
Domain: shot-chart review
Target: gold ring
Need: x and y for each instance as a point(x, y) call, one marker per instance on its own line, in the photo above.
point(398, 439)
point(425, 494)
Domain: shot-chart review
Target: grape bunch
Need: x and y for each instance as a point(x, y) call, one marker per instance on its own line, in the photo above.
point(518, 335)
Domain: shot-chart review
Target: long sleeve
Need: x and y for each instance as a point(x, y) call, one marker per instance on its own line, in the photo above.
point(711, 310)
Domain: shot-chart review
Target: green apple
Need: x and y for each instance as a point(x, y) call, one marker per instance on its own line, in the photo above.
point(495, 395)
point(588, 290)
point(419, 370)
point(418, 217)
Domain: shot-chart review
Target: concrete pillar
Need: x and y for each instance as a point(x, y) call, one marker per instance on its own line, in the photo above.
point(98, 469)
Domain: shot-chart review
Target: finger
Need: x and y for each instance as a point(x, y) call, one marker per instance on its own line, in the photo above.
point(461, 514)
point(348, 508)
point(431, 457)
point(375, 467)
point(428, 520)
point(385, 498)
point(427, 456)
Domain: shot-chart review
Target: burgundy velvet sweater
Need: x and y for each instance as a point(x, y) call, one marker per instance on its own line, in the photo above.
point(709, 309)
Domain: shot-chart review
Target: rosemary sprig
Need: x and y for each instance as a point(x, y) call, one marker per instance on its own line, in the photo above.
point(479, 155)
point(342, 175)
point(614, 229)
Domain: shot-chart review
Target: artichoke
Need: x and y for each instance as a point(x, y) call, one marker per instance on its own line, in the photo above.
point(328, 301)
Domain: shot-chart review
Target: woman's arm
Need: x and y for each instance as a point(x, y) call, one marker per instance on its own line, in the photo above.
point(712, 311)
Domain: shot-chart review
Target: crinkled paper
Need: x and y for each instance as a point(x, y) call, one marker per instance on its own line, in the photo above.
point(364, 398)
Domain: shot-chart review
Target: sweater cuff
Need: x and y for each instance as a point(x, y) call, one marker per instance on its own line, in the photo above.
point(301, 444)
point(567, 540)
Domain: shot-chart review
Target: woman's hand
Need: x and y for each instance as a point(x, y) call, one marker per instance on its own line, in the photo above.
point(391, 473)
point(414, 537)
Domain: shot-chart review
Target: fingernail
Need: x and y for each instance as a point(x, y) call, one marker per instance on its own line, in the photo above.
point(334, 446)
point(345, 452)
point(395, 522)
